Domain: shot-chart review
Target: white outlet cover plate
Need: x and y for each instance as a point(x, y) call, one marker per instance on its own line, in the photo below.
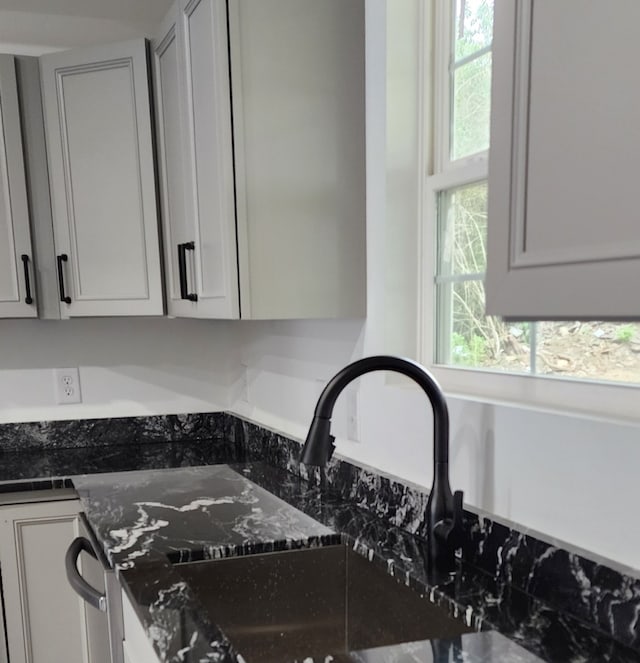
point(67, 386)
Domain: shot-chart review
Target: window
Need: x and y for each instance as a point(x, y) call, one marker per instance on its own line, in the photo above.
point(464, 335)
point(457, 333)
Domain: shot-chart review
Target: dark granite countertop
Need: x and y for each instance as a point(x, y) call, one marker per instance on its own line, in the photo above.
point(37, 469)
point(146, 520)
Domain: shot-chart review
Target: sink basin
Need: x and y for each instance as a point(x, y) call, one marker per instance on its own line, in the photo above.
point(288, 606)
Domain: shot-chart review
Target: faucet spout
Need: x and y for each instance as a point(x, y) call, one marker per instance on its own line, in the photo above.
point(444, 514)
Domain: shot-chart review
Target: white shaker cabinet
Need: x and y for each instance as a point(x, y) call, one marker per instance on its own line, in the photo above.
point(262, 158)
point(564, 216)
point(17, 277)
point(191, 65)
point(45, 620)
point(101, 169)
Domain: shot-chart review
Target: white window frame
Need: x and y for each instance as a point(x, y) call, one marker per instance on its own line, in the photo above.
point(602, 401)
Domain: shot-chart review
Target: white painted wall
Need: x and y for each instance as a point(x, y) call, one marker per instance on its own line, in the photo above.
point(127, 366)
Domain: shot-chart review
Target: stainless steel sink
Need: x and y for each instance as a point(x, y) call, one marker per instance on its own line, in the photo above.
point(286, 606)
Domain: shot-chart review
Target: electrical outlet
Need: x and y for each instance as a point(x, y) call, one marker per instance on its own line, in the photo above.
point(67, 385)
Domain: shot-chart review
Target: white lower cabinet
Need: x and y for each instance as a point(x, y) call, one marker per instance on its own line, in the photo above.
point(136, 645)
point(46, 622)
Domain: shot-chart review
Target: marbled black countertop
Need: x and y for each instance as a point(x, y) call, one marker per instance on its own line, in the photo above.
point(146, 520)
point(188, 514)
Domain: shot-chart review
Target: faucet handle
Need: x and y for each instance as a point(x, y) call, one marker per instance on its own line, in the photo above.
point(446, 537)
point(449, 530)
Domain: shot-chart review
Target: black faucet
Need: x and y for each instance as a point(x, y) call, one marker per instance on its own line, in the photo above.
point(444, 510)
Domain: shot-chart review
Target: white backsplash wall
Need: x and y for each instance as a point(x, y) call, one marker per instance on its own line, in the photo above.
point(127, 367)
point(568, 477)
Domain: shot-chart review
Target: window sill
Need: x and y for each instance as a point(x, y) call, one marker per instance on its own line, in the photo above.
point(605, 402)
point(610, 402)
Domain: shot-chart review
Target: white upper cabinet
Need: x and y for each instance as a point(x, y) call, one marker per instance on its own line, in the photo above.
point(17, 278)
point(196, 161)
point(564, 230)
point(262, 158)
point(297, 74)
point(100, 153)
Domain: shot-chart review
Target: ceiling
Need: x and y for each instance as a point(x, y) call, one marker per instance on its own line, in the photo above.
point(134, 11)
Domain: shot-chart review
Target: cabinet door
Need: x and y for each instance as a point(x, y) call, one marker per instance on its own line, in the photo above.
point(564, 237)
point(178, 227)
point(15, 236)
point(99, 142)
point(210, 196)
point(193, 105)
point(96, 623)
point(46, 621)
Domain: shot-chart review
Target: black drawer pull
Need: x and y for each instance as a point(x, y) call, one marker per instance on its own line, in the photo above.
point(63, 297)
point(182, 271)
point(27, 280)
point(91, 595)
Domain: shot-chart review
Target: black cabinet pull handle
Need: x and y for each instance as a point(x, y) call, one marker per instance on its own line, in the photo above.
point(63, 297)
point(182, 271)
point(91, 595)
point(27, 280)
